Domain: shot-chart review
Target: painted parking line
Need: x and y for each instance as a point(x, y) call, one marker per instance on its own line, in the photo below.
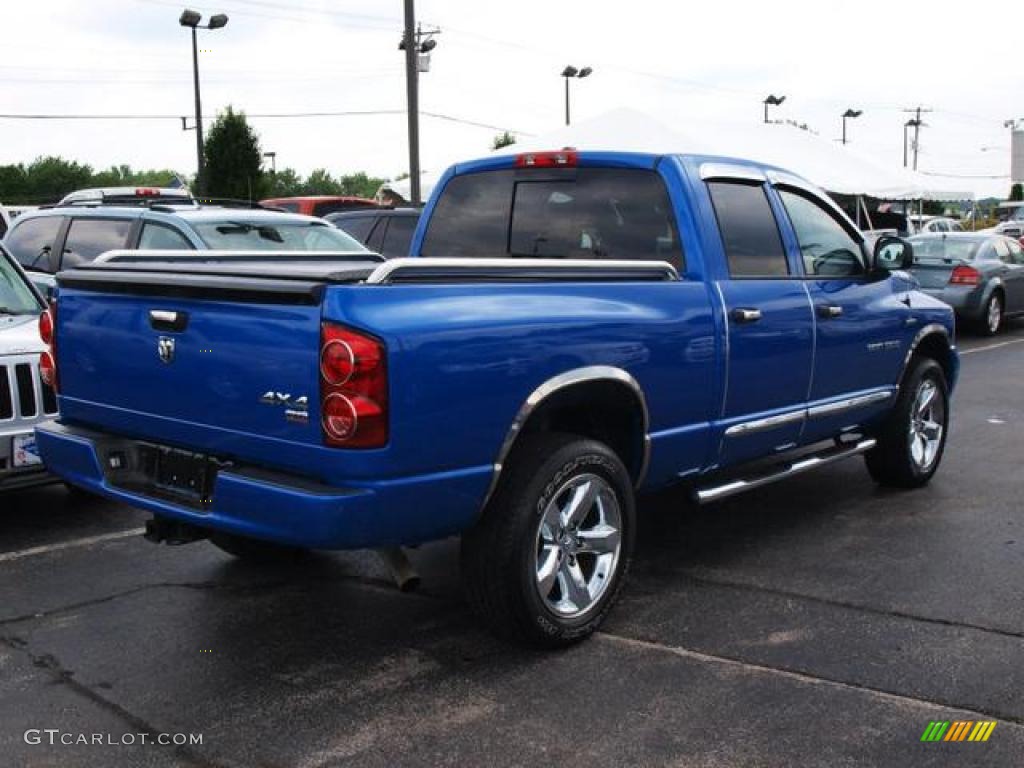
point(73, 544)
point(991, 346)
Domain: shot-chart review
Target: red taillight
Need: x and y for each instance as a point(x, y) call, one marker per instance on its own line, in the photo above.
point(564, 159)
point(46, 327)
point(48, 359)
point(48, 369)
point(353, 388)
point(963, 275)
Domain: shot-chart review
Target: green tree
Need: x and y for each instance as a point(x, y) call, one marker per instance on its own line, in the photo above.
point(504, 139)
point(320, 182)
point(50, 178)
point(233, 159)
point(285, 183)
point(360, 184)
point(13, 184)
point(1017, 192)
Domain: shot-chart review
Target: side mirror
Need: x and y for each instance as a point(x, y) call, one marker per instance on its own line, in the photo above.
point(893, 253)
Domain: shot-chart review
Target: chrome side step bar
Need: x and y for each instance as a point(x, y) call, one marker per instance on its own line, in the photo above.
point(804, 464)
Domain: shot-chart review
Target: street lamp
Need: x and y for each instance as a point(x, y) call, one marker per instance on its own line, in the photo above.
point(191, 20)
point(568, 73)
point(774, 101)
point(851, 113)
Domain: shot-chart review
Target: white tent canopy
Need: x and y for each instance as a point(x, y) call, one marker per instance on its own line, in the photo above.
point(831, 166)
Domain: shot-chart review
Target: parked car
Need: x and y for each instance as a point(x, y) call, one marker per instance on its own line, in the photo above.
point(24, 399)
point(319, 205)
point(1011, 224)
point(387, 231)
point(50, 239)
point(573, 327)
point(980, 275)
point(928, 224)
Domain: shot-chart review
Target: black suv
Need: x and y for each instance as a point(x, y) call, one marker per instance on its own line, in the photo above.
point(387, 231)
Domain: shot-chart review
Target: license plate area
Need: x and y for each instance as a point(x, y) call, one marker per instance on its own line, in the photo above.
point(182, 476)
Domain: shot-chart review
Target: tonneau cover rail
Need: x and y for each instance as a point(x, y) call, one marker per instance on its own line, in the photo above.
point(122, 255)
point(440, 269)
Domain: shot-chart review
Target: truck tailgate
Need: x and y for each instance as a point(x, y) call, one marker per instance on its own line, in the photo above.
point(165, 358)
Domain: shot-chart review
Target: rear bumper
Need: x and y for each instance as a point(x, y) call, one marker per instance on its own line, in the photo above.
point(280, 507)
point(966, 300)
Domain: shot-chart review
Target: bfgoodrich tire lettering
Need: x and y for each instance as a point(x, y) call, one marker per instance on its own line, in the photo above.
point(548, 557)
point(913, 438)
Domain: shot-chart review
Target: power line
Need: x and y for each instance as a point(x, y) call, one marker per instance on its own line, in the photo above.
point(262, 115)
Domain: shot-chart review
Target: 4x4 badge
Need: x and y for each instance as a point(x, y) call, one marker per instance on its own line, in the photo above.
point(165, 348)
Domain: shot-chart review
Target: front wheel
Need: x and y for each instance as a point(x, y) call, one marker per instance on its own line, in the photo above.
point(549, 555)
point(913, 438)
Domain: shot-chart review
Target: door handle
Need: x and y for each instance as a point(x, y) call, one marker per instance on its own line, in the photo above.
point(745, 315)
point(168, 320)
point(829, 311)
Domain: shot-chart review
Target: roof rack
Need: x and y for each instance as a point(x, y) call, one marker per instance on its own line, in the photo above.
point(233, 202)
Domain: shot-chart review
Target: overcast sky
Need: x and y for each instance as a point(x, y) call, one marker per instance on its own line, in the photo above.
point(499, 64)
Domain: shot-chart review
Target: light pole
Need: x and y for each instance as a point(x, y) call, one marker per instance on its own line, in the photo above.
point(191, 19)
point(851, 113)
point(569, 73)
point(774, 101)
point(415, 48)
point(912, 123)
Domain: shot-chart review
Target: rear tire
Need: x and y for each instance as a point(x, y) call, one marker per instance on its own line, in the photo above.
point(548, 557)
point(991, 320)
point(256, 550)
point(913, 438)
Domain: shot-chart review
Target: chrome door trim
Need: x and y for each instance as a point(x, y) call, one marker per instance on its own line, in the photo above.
point(841, 406)
point(770, 422)
point(726, 171)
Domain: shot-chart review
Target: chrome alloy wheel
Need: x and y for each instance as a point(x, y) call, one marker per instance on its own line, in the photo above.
point(578, 544)
point(927, 423)
point(994, 318)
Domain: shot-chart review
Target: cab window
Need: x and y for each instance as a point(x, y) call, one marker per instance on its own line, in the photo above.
point(826, 247)
point(750, 234)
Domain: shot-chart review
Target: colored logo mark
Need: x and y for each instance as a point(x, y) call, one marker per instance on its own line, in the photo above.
point(958, 730)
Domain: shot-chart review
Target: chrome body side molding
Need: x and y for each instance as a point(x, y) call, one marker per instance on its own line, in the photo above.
point(814, 412)
point(551, 386)
point(421, 267)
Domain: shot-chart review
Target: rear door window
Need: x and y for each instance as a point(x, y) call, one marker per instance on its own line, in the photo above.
point(1002, 251)
point(398, 237)
point(357, 226)
point(88, 238)
point(162, 238)
point(31, 242)
point(750, 234)
point(585, 213)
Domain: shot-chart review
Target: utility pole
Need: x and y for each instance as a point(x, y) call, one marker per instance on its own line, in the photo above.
point(412, 89)
point(916, 123)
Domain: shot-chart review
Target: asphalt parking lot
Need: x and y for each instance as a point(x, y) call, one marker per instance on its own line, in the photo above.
point(821, 621)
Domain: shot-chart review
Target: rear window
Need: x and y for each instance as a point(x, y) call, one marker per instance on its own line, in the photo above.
point(241, 235)
point(398, 237)
point(941, 249)
point(357, 226)
point(585, 213)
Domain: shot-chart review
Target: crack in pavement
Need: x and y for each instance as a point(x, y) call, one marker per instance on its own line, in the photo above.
point(63, 676)
point(893, 613)
point(1012, 721)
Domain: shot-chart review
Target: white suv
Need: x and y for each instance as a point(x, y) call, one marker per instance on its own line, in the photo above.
point(24, 399)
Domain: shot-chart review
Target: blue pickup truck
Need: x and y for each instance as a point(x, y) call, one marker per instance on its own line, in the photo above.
point(571, 328)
